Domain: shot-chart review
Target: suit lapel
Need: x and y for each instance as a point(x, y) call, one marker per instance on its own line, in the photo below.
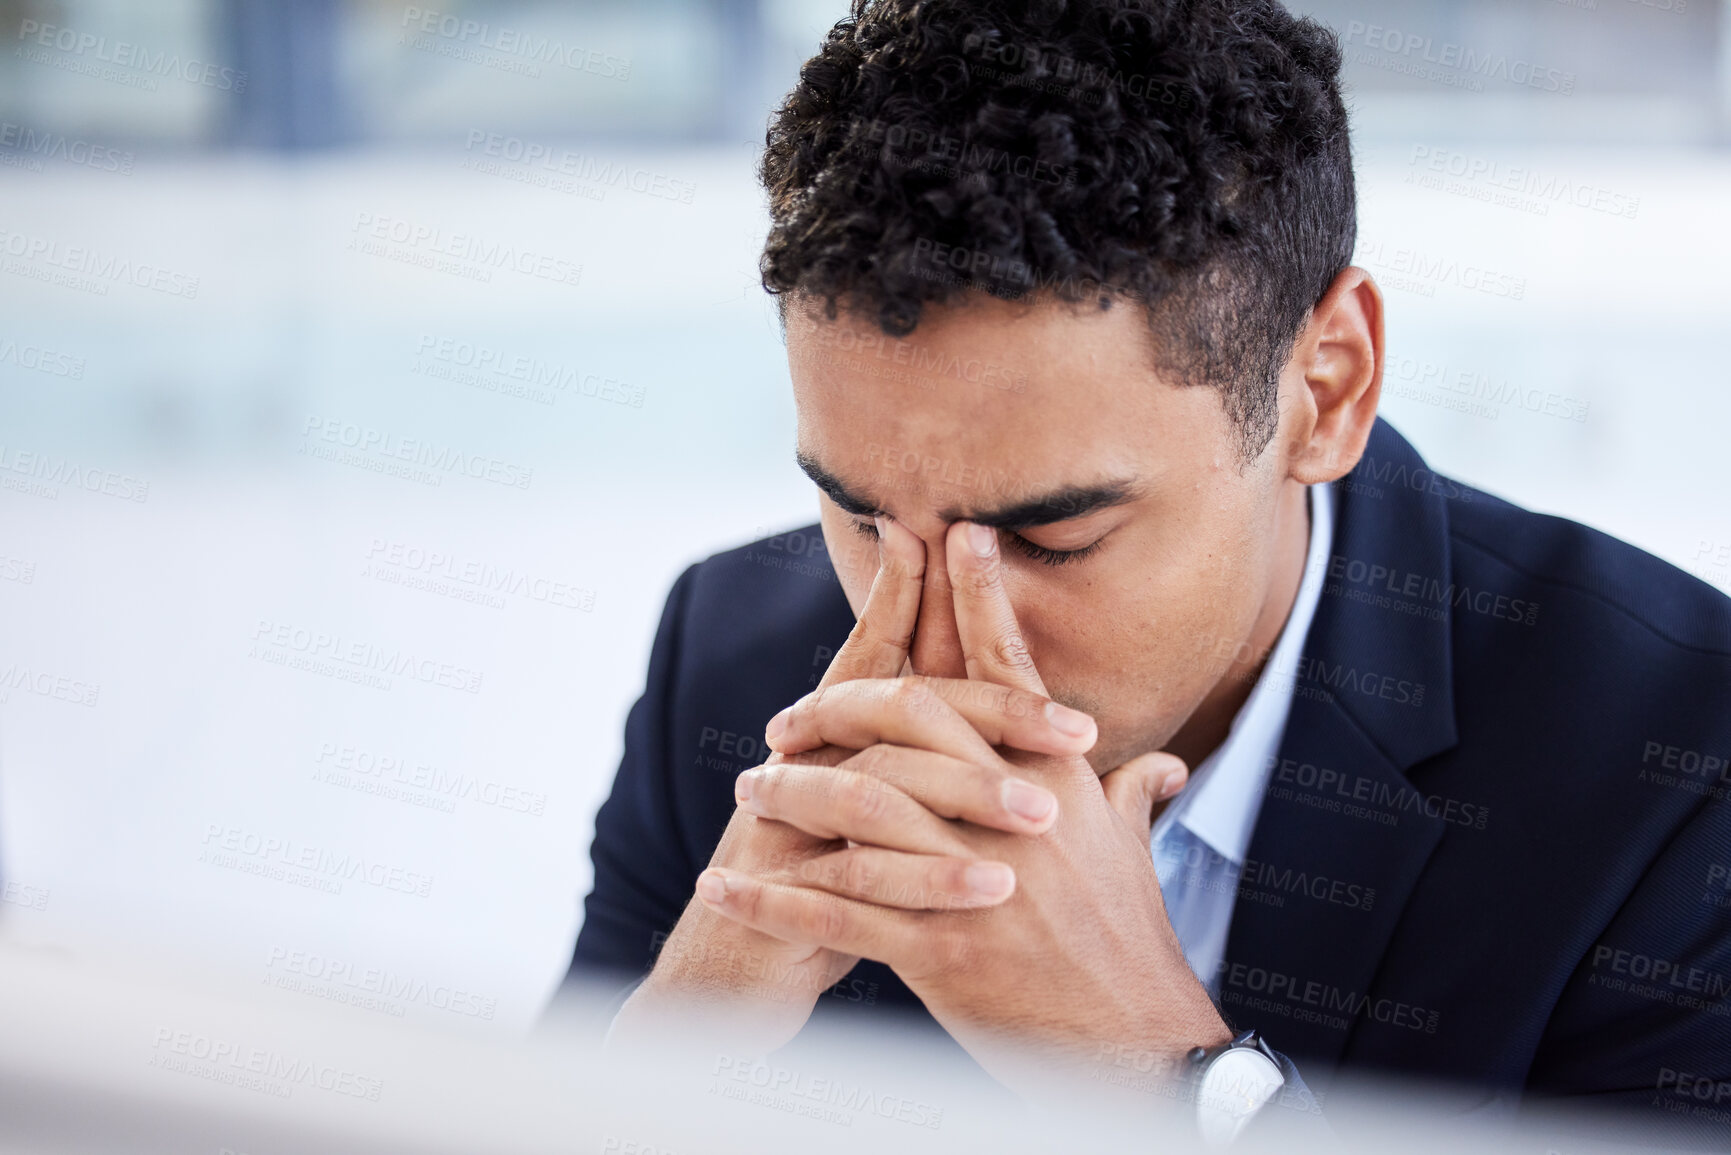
point(1343, 835)
point(1341, 840)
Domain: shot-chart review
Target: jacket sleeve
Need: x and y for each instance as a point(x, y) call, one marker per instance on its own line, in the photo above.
point(1294, 1113)
point(643, 870)
point(1645, 1022)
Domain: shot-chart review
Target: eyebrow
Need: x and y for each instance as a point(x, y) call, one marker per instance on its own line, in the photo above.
point(1063, 504)
point(834, 489)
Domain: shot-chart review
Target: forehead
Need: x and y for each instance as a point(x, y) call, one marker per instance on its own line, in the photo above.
point(992, 396)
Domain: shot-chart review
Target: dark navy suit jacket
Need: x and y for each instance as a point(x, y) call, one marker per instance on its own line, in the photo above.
point(1494, 849)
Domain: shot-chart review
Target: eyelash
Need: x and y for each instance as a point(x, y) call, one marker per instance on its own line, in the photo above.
point(1016, 541)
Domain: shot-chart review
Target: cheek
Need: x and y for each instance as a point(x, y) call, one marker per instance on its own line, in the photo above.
point(1071, 625)
point(1130, 640)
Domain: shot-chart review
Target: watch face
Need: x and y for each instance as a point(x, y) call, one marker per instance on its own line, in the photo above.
point(1235, 1086)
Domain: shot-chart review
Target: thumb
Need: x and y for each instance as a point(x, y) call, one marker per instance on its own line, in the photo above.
point(1134, 788)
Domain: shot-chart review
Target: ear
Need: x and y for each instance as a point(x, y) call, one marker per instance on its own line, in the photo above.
point(1338, 355)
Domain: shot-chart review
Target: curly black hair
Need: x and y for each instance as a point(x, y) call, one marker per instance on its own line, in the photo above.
point(1191, 155)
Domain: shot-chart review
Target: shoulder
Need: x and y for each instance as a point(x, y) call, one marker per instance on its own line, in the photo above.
point(755, 628)
point(1592, 685)
point(761, 600)
point(1598, 580)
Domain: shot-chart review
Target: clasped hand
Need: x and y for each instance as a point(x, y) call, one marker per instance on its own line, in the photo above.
point(965, 841)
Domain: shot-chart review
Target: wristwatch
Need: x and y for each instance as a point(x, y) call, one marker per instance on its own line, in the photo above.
point(1232, 1083)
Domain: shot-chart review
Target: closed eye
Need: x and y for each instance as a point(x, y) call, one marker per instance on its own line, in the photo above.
point(1015, 541)
point(1047, 556)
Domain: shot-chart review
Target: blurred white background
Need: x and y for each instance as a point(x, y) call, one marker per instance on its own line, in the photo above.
point(175, 531)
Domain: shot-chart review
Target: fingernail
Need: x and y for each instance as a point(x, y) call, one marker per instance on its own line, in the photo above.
point(1025, 800)
point(1172, 783)
point(989, 879)
point(981, 540)
point(712, 886)
point(777, 725)
point(742, 786)
point(1067, 721)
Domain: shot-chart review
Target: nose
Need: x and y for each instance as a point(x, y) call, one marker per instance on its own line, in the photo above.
point(936, 651)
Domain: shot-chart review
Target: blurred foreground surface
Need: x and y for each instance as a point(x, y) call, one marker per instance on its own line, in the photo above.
point(117, 1057)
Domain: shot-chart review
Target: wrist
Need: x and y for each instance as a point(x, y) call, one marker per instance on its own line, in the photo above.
point(723, 974)
point(1186, 1020)
point(691, 1010)
point(1156, 1058)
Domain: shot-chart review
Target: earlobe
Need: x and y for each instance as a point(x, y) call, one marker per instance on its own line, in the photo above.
point(1342, 351)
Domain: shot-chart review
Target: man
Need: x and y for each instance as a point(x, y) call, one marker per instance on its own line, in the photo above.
point(1088, 386)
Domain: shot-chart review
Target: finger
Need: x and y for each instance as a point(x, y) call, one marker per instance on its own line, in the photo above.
point(1136, 787)
point(987, 795)
point(877, 647)
point(908, 881)
point(816, 756)
point(830, 803)
point(815, 917)
point(865, 712)
point(1021, 719)
point(860, 711)
point(992, 643)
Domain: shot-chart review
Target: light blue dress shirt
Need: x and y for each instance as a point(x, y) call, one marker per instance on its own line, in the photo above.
point(1201, 839)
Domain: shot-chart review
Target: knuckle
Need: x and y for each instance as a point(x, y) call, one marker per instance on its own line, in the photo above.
point(913, 787)
point(858, 876)
point(1010, 650)
point(949, 886)
point(910, 697)
point(799, 715)
point(988, 785)
point(873, 634)
point(885, 637)
point(866, 800)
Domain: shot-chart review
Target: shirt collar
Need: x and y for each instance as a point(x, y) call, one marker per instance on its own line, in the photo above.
point(1221, 802)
